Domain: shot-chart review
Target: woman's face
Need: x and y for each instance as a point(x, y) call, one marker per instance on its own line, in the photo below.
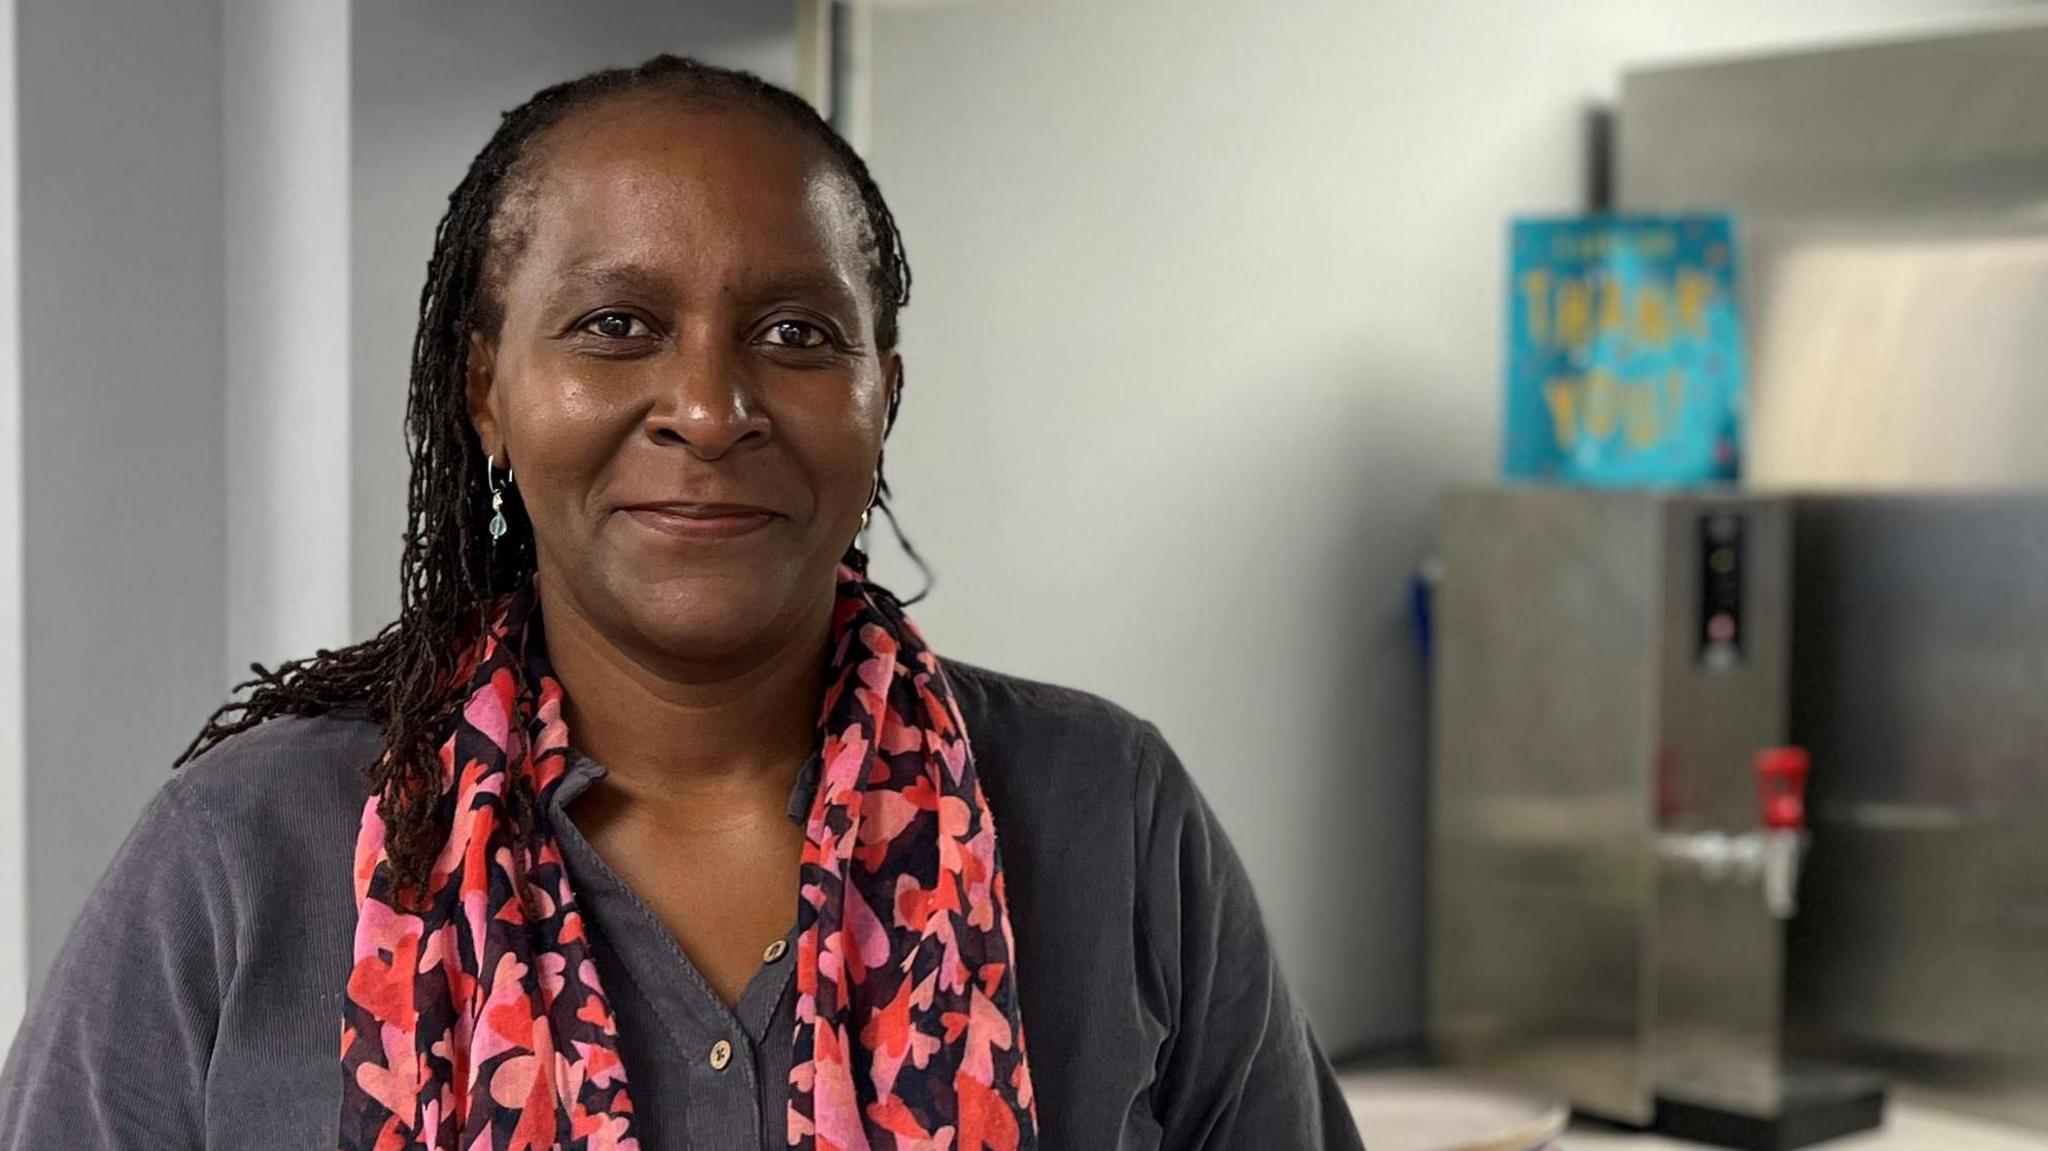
point(684, 380)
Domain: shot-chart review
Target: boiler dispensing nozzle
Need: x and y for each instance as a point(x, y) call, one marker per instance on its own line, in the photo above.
point(1781, 774)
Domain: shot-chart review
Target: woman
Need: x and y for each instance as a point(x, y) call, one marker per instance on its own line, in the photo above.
point(652, 822)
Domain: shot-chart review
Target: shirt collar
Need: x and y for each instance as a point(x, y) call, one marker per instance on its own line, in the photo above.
point(582, 772)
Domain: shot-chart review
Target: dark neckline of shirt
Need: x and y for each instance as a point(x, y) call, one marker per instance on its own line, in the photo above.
point(582, 773)
point(737, 1103)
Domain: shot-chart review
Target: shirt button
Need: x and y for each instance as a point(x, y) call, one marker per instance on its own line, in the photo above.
point(721, 1054)
point(774, 951)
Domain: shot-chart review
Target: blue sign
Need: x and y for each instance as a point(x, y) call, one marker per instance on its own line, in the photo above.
point(1624, 351)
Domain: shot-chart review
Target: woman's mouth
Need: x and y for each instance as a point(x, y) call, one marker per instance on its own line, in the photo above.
point(694, 521)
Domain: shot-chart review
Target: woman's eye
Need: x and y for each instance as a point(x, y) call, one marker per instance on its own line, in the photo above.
point(796, 334)
point(617, 326)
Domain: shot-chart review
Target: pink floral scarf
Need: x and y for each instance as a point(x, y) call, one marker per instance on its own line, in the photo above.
point(475, 1019)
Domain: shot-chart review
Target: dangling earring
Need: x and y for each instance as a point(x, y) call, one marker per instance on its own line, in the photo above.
point(498, 525)
point(874, 494)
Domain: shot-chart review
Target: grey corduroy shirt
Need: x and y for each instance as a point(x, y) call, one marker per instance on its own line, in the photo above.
point(196, 1003)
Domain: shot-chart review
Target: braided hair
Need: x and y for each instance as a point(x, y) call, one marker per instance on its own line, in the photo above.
point(405, 677)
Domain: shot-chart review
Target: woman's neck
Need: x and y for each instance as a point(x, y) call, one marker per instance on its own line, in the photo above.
point(666, 733)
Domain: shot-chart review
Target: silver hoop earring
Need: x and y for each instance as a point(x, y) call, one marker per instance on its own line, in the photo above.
point(498, 525)
point(874, 493)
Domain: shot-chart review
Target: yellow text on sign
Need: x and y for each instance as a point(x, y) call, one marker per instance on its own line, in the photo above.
point(1571, 312)
point(1597, 405)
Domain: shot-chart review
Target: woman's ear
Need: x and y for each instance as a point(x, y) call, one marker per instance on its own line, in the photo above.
point(892, 378)
point(481, 386)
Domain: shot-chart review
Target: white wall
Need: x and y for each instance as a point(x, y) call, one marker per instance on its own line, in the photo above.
point(430, 81)
point(123, 487)
point(285, 110)
point(1207, 313)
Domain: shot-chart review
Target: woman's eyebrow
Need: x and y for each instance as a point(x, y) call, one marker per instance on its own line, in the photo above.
point(579, 280)
point(801, 284)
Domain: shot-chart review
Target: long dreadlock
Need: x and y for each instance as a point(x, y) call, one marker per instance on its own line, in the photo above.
point(405, 677)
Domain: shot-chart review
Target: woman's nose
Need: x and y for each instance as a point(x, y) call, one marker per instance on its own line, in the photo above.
point(707, 403)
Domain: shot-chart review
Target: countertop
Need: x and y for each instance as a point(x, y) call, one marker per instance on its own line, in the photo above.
point(1908, 1127)
point(1910, 1124)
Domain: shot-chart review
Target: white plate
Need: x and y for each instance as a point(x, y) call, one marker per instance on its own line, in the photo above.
point(1440, 1111)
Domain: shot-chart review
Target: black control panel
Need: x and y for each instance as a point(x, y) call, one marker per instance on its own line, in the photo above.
point(1721, 566)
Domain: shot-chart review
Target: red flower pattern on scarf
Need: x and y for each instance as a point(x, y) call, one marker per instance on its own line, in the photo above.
point(475, 1019)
